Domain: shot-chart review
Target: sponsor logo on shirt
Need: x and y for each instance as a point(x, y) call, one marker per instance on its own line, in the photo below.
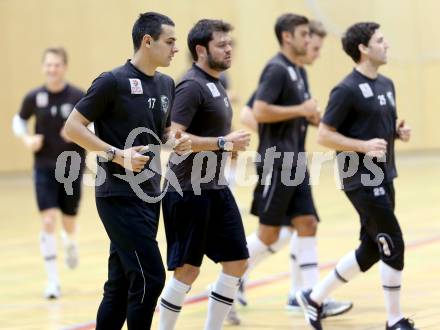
point(292, 73)
point(42, 99)
point(382, 99)
point(165, 103)
point(366, 90)
point(213, 89)
point(65, 110)
point(53, 110)
point(136, 86)
point(225, 99)
point(390, 97)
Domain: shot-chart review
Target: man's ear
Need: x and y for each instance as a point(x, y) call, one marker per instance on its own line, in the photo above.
point(363, 49)
point(146, 40)
point(201, 51)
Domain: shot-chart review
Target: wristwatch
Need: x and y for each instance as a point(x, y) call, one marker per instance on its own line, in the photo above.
point(110, 153)
point(224, 145)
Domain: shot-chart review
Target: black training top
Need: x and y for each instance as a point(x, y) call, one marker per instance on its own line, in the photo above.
point(364, 108)
point(280, 84)
point(51, 111)
point(125, 103)
point(304, 122)
point(202, 106)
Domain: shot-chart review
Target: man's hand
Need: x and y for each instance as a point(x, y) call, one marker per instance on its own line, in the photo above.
point(132, 159)
point(375, 147)
point(311, 111)
point(403, 131)
point(33, 142)
point(182, 143)
point(240, 140)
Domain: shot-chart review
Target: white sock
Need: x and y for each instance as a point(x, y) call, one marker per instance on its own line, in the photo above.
point(295, 274)
point(258, 251)
point(48, 248)
point(220, 300)
point(283, 239)
point(346, 269)
point(308, 261)
point(171, 303)
point(68, 238)
point(391, 282)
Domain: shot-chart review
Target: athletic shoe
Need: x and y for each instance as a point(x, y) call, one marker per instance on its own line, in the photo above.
point(403, 324)
point(241, 294)
point(293, 306)
point(52, 291)
point(334, 307)
point(312, 311)
point(232, 318)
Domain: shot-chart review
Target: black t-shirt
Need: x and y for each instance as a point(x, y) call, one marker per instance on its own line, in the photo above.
point(202, 106)
point(280, 84)
point(304, 122)
point(224, 79)
point(364, 108)
point(51, 111)
point(122, 103)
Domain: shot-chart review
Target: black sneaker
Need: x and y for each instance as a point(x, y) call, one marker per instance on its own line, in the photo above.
point(403, 324)
point(335, 307)
point(312, 311)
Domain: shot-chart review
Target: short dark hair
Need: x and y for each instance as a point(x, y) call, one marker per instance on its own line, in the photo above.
point(288, 22)
point(202, 33)
point(60, 51)
point(316, 27)
point(357, 34)
point(148, 23)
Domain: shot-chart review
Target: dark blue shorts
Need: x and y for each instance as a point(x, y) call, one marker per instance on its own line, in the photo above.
point(209, 224)
point(51, 193)
point(277, 204)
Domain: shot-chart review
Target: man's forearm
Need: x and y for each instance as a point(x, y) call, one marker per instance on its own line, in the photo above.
point(336, 141)
point(270, 113)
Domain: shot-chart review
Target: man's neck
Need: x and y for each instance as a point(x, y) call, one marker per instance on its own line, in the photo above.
point(292, 57)
point(205, 67)
point(55, 86)
point(368, 69)
point(143, 65)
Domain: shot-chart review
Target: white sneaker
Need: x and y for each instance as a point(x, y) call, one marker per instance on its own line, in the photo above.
point(232, 318)
point(52, 290)
point(71, 255)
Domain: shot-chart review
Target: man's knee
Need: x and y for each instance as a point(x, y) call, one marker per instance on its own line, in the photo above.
point(187, 274)
point(306, 225)
point(48, 218)
point(235, 268)
point(268, 234)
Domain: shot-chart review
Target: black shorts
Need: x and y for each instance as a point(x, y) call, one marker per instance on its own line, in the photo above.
point(375, 206)
point(52, 194)
point(277, 204)
point(209, 223)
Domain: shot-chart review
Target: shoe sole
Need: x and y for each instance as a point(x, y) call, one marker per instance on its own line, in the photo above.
point(343, 311)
